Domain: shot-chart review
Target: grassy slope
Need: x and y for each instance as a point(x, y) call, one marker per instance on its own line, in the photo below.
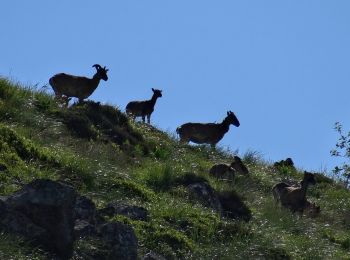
point(140, 164)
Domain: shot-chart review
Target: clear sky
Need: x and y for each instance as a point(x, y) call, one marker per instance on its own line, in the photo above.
point(281, 66)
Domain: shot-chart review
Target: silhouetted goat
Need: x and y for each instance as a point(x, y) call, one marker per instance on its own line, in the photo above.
point(222, 171)
point(76, 86)
point(293, 198)
point(143, 108)
point(239, 166)
point(210, 133)
point(227, 172)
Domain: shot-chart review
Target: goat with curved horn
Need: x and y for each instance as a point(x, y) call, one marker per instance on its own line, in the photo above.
point(77, 86)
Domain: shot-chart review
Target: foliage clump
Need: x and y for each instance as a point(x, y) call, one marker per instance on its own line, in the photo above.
point(342, 150)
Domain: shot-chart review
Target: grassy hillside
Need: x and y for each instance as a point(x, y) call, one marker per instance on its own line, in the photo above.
point(105, 157)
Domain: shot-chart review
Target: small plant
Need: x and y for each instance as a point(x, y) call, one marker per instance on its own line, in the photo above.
point(160, 177)
point(342, 150)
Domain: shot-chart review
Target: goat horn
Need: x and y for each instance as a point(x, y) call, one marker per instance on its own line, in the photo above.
point(97, 66)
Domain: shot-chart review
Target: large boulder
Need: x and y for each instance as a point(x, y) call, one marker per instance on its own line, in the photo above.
point(42, 211)
point(121, 208)
point(16, 222)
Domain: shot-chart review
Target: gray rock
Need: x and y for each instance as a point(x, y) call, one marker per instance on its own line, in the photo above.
point(83, 228)
point(233, 206)
point(130, 211)
point(121, 238)
point(16, 222)
point(205, 194)
point(85, 209)
point(43, 212)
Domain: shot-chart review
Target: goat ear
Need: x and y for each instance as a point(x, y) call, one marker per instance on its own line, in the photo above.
point(153, 89)
point(228, 112)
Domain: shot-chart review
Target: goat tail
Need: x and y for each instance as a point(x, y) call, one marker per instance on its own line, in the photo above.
point(178, 130)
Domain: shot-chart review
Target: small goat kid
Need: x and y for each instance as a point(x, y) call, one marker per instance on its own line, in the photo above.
point(76, 86)
point(222, 171)
point(291, 197)
point(210, 133)
point(227, 172)
point(143, 108)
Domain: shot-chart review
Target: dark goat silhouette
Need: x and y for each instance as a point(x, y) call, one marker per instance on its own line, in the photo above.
point(77, 86)
point(209, 133)
point(291, 197)
point(143, 108)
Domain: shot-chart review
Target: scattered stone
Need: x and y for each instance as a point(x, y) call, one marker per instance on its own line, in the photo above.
point(204, 193)
point(121, 238)
point(130, 211)
point(233, 206)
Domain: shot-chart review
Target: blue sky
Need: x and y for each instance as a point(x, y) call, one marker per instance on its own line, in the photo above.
point(281, 66)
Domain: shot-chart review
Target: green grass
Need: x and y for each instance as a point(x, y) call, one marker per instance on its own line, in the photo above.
point(105, 157)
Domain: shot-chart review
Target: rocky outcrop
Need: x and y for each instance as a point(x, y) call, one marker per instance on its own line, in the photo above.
point(52, 215)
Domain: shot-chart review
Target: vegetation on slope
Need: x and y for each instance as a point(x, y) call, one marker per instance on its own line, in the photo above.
point(105, 157)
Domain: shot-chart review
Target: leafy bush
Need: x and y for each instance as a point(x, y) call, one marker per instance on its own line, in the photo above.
point(342, 150)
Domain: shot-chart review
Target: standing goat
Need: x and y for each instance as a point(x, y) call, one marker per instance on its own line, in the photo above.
point(76, 86)
point(143, 108)
point(210, 133)
point(294, 198)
